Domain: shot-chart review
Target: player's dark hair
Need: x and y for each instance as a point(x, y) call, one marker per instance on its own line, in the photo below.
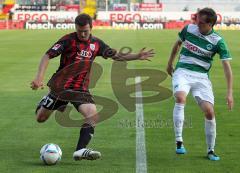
point(211, 16)
point(83, 19)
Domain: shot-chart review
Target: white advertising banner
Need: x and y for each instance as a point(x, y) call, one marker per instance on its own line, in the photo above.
point(45, 16)
point(127, 16)
point(142, 16)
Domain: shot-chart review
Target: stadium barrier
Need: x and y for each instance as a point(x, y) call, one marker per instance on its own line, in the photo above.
point(108, 25)
point(116, 20)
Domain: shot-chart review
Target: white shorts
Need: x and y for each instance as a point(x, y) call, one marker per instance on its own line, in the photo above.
point(195, 82)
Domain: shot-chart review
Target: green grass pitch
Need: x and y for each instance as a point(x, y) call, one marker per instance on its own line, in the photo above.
point(21, 137)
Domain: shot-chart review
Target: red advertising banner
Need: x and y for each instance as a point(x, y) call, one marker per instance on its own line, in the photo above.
point(120, 7)
point(150, 7)
point(70, 7)
point(11, 25)
point(175, 24)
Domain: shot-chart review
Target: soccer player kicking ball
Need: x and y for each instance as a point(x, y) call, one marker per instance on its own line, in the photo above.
point(200, 44)
point(78, 49)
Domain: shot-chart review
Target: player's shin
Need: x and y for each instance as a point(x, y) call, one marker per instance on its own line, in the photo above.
point(86, 133)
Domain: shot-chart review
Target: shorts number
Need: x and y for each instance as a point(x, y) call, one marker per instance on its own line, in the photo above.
point(48, 102)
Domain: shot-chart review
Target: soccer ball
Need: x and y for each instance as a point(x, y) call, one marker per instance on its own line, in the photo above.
point(50, 154)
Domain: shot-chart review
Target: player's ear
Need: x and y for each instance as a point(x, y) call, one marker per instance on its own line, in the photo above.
point(90, 28)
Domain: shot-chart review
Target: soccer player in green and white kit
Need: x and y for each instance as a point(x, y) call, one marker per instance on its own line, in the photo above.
point(200, 44)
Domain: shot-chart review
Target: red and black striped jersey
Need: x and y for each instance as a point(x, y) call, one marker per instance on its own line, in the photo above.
point(76, 60)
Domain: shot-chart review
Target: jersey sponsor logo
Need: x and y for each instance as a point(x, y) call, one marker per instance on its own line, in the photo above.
point(92, 47)
point(193, 48)
point(56, 46)
point(84, 53)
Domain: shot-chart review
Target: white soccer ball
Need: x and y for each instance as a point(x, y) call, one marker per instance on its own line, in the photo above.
point(50, 154)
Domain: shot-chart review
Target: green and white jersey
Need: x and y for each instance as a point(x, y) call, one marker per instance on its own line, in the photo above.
point(198, 50)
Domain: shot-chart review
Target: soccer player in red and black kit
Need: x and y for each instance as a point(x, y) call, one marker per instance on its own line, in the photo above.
point(79, 48)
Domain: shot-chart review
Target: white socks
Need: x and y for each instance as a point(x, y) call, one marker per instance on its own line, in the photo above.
point(178, 119)
point(210, 131)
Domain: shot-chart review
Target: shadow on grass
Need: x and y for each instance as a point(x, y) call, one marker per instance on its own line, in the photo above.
point(40, 164)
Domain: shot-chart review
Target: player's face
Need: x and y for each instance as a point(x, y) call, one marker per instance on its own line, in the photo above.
point(83, 32)
point(204, 27)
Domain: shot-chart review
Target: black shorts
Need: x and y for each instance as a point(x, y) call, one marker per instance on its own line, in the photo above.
point(51, 102)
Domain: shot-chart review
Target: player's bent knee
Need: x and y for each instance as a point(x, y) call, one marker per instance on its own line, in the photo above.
point(41, 118)
point(180, 99)
point(209, 113)
point(43, 114)
point(93, 118)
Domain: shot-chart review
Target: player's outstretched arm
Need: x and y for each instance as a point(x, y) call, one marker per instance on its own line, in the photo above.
point(172, 57)
point(229, 79)
point(142, 55)
point(38, 81)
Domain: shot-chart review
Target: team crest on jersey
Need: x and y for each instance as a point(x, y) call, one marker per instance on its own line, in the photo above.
point(56, 46)
point(92, 47)
point(209, 47)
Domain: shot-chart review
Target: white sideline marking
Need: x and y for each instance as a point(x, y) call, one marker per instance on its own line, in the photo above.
point(141, 159)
